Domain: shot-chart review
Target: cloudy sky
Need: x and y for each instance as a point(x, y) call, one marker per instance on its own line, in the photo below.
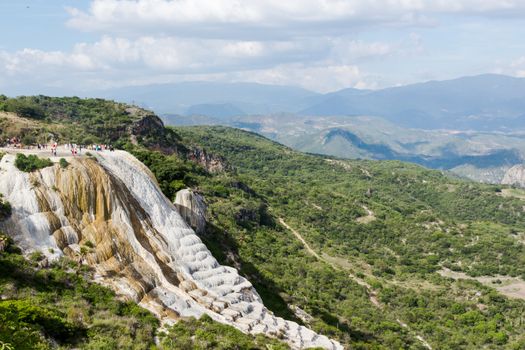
point(62, 46)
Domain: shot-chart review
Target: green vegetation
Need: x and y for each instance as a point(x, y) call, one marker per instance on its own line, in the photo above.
point(41, 306)
point(26, 107)
point(204, 333)
point(31, 162)
point(423, 220)
point(5, 208)
point(63, 163)
point(74, 120)
point(172, 172)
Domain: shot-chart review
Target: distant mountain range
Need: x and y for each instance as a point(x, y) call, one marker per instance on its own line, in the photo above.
point(479, 155)
point(483, 103)
point(214, 99)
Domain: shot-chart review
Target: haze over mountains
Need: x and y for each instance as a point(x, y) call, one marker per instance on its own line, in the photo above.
point(215, 99)
point(483, 103)
point(472, 126)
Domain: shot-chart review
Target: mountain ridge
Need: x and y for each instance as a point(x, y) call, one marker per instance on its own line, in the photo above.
point(481, 102)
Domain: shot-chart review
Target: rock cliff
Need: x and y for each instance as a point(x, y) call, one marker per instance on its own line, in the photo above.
point(515, 176)
point(210, 162)
point(109, 213)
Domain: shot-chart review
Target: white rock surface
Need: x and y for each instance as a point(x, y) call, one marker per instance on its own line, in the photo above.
point(192, 208)
point(142, 246)
point(515, 176)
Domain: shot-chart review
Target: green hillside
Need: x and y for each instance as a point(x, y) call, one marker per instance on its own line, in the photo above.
point(361, 247)
point(378, 231)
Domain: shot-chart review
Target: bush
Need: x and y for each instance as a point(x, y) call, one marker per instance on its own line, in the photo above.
point(205, 333)
point(63, 163)
point(25, 108)
point(20, 316)
point(31, 163)
point(5, 209)
point(58, 308)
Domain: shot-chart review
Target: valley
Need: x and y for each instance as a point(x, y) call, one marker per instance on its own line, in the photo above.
point(477, 155)
point(471, 126)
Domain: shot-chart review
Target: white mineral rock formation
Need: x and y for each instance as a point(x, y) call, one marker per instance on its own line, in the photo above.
point(192, 208)
point(515, 176)
point(141, 245)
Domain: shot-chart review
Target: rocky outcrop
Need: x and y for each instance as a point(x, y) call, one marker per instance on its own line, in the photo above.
point(244, 215)
point(108, 212)
point(515, 176)
point(210, 162)
point(192, 208)
point(148, 129)
point(147, 125)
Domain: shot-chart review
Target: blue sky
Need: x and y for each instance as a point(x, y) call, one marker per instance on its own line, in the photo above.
point(58, 46)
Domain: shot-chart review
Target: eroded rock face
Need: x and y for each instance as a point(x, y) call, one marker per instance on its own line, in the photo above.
point(515, 176)
point(212, 163)
point(192, 208)
point(141, 246)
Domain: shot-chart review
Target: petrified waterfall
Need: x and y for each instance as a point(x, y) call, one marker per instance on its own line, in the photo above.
point(109, 213)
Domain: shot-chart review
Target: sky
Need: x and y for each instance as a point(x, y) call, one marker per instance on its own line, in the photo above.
point(75, 46)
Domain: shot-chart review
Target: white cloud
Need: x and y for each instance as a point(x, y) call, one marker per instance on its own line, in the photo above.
point(325, 64)
point(323, 77)
point(210, 17)
point(517, 67)
point(316, 44)
point(30, 61)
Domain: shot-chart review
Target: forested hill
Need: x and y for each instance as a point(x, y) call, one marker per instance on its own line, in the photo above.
point(359, 244)
point(361, 251)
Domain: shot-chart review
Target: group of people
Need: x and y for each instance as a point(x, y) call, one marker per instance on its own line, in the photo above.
point(101, 147)
point(75, 149)
point(13, 142)
point(16, 142)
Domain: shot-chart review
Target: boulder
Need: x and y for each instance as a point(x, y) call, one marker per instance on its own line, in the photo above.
point(192, 208)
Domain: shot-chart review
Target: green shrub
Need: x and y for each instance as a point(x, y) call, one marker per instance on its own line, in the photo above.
point(205, 333)
point(63, 163)
point(57, 307)
point(36, 256)
point(25, 107)
point(31, 163)
point(25, 321)
point(5, 209)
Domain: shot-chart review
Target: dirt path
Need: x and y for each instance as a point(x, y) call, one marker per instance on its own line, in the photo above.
point(345, 266)
point(370, 216)
point(300, 238)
